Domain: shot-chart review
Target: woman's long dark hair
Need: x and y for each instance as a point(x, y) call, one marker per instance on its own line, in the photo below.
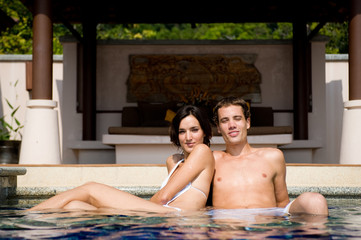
point(199, 114)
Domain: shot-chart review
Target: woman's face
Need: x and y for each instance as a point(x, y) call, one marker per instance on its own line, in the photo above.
point(190, 134)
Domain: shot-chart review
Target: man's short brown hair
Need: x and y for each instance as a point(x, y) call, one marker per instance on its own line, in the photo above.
point(228, 101)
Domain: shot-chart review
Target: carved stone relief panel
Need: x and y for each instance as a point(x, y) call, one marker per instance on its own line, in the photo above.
point(164, 78)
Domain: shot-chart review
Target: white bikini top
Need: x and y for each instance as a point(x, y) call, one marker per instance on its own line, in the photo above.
point(186, 188)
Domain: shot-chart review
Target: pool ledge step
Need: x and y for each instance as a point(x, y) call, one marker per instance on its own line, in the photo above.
point(145, 179)
point(8, 180)
point(147, 191)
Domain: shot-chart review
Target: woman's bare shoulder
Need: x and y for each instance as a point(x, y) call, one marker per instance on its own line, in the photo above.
point(202, 147)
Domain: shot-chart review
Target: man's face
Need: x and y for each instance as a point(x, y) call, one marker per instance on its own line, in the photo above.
point(232, 124)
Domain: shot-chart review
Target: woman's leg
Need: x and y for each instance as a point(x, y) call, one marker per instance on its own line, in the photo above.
point(100, 196)
point(79, 205)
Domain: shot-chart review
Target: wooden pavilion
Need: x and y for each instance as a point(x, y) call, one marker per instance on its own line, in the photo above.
point(89, 14)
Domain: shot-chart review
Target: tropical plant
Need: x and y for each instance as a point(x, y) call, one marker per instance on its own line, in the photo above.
point(10, 130)
point(7, 130)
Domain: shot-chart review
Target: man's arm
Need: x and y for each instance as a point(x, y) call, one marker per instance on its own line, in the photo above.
point(280, 186)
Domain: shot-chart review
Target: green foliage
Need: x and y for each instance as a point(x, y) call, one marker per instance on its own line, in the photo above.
point(6, 129)
point(215, 31)
point(338, 34)
point(59, 30)
point(18, 39)
point(10, 130)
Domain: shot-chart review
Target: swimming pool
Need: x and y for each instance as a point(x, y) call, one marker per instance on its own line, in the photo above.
point(344, 222)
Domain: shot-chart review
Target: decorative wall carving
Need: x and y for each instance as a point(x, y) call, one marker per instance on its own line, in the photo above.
point(164, 78)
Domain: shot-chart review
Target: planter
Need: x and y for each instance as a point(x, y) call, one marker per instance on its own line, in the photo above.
point(9, 151)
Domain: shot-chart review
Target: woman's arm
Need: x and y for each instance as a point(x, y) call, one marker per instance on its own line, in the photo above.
point(200, 159)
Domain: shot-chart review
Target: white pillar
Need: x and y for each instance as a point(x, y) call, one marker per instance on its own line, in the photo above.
point(351, 133)
point(40, 142)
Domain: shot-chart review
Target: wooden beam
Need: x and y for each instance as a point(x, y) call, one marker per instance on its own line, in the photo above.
point(42, 50)
point(29, 75)
point(300, 83)
point(355, 51)
point(89, 79)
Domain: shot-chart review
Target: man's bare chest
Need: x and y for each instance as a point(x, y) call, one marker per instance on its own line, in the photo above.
point(243, 174)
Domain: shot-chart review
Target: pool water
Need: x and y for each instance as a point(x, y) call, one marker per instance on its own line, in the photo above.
point(344, 222)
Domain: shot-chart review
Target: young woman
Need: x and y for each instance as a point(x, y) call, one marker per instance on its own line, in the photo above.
point(185, 188)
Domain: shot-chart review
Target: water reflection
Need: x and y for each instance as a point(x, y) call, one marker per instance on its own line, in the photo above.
point(344, 222)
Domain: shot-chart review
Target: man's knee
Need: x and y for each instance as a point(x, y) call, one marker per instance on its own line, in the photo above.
point(310, 203)
point(314, 198)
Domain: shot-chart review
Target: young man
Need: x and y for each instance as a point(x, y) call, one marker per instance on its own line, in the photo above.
point(248, 177)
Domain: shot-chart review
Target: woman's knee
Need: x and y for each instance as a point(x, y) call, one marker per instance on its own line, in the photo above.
point(77, 205)
point(90, 185)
